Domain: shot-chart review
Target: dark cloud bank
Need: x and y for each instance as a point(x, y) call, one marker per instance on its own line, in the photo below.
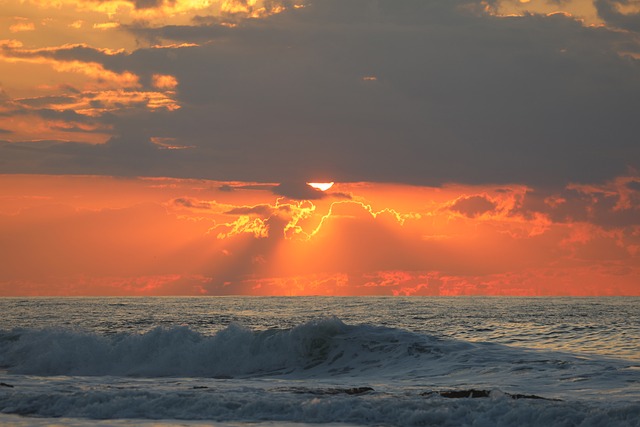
point(414, 91)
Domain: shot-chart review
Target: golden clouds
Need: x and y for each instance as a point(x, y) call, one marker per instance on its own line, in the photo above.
point(13, 51)
point(164, 82)
point(584, 11)
point(27, 126)
point(78, 49)
point(289, 220)
point(106, 25)
point(252, 8)
point(244, 224)
point(99, 90)
point(95, 71)
point(25, 122)
point(22, 26)
point(98, 103)
point(136, 9)
point(101, 14)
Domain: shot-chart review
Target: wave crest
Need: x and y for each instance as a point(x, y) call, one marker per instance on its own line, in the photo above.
point(181, 351)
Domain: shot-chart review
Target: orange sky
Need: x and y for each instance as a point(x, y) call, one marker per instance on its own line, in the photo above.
point(91, 235)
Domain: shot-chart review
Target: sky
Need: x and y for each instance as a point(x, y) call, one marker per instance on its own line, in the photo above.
point(164, 147)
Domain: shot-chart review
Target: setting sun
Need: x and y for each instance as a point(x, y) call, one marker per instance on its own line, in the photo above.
point(322, 186)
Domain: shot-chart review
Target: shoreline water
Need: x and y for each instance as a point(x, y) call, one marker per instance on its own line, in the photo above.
point(255, 361)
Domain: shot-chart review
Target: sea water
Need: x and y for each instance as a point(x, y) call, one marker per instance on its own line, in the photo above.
point(333, 361)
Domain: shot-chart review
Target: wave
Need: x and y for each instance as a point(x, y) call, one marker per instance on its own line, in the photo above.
point(254, 405)
point(325, 349)
point(325, 344)
point(323, 371)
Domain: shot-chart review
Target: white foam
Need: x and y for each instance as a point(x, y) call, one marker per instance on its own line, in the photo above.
point(177, 351)
point(248, 401)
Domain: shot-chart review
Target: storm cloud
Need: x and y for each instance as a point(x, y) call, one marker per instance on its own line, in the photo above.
point(417, 92)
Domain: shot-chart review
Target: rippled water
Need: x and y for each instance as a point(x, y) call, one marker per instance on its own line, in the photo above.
point(604, 326)
point(282, 361)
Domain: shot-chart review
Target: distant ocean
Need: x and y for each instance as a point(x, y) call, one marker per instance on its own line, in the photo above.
point(465, 361)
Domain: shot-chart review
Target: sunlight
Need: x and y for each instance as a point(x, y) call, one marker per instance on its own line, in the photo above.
point(322, 186)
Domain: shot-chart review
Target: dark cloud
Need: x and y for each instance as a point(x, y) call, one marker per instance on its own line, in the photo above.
point(206, 30)
point(256, 187)
point(451, 96)
point(507, 99)
point(608, 11)
point(600, 207)
point(192, 203)
point(473, 206)
point(150, 4)
point(298, 190)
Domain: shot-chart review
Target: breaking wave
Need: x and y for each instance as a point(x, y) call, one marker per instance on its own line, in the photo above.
point(322, 371)
point(326, 345)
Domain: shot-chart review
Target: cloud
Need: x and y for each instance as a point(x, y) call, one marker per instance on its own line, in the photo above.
point(106, 25)
point(613, 205)
point(460, 96)
point(256, 9)
point(192, 203)
point(470, 108)
point(298, 190)
point(164, 82)
point(609, 11)
point(65, 60)
point(97, 103)
point(634, 185)
point(149, 4)
point(240, 186)
point(260, 210)
point(109, 90)
point(22, 26)
point(473, 206)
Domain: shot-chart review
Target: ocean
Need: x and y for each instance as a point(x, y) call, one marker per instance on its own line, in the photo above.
point(331, 361)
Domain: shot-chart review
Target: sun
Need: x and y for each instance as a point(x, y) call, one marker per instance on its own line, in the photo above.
point(322, 186)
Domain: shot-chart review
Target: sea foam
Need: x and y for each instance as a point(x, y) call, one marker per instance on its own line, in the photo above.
point(249, 402)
